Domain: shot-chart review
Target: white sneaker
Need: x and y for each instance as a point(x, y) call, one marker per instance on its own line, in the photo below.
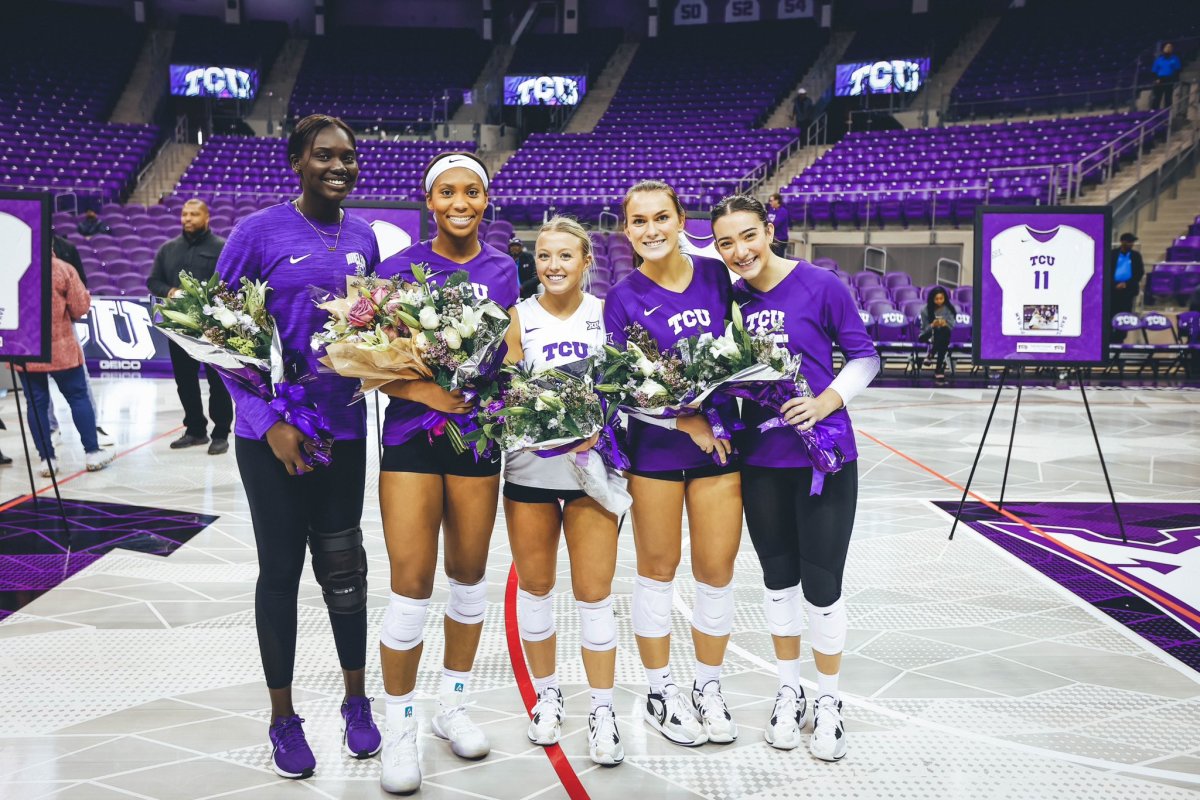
point(400, 771)
point(97, 461)
point(604, 743)
point(828, 741)
point(714, 714)
point(466, 738)
point(47, 468)
point(103, 438)
point(787, 720)
point(671, 715)
point(545, 727)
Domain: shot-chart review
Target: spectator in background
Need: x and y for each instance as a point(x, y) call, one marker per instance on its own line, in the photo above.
point(777, 215)
point(69, 301)
point(91, 224)
point(194, 251)
point(526, 269)
point(1166, 74)
point(1128, 271)
point(937, 321)
point(68, 253)
point(802, 108)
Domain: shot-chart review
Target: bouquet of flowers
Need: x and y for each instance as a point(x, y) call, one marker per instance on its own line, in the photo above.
point(642, 380)
point(551, 413)
point(232, 332)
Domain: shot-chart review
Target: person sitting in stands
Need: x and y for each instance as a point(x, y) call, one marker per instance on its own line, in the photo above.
point(91, 224)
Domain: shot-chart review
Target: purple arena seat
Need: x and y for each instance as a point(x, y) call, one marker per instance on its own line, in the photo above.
point(893, 280)
point(866, 278)
point(869, 294)
point(902, 294)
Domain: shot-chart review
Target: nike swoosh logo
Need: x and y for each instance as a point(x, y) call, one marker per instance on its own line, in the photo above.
point(295, 260)
point(531, 330)
point(650, 311)
point(454, 160)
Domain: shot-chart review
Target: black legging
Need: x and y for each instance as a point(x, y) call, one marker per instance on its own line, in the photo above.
point(284, 510)
point(939, 342)
point(800, 538)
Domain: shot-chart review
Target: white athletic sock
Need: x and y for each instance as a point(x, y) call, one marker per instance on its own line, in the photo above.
point(706, 673)
point(658, 678)
point(789, 673)
point(398, 708)
point(828, 685)
point(601, 697)
point(454, 682)
point(542, 684)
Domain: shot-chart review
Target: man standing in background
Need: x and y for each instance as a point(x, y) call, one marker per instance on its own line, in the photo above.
point(1166, 74)
point(1128, 271)
point(194, 251)
point(777, 215)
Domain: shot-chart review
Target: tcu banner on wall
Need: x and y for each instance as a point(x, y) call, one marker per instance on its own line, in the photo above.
point(1041, 293)
point(25, 276)
point(703, 12)
point(118, 334)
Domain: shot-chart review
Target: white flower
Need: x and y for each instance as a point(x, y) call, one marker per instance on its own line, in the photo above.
point(469, 323)
point(429, 318)
point(725, 347)
point(539, 405)
point(645, 367)
point(651, 388)
point(227, 318)
point(453, 340)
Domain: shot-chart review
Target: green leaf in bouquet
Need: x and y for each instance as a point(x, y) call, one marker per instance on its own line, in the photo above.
point(181, 319)
point(418, 271)
point(408, 319)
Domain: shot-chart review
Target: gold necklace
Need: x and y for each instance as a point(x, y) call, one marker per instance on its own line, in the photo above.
point(336, 238)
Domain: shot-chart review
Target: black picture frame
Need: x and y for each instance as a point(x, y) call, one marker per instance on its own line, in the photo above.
point(40, 260)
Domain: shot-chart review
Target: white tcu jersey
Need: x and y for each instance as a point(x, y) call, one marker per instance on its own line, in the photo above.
point(1042, 275)
point(552, 342)
point(16, 243)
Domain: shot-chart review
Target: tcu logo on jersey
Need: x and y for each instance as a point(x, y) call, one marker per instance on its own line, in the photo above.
point(692, 318)
point(769, 321)
point(573, 350)
point(481, 291)
point(1039, 260)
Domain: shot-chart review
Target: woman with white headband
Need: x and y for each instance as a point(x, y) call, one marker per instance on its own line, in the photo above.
point(424, 485)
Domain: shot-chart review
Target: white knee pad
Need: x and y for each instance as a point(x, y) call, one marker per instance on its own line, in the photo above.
point(597, 624)
point(403, 622)
point(827, 626)
point(785, 611)
point(535, 616)
point(713, 612)
point(468, 602)
point(652, 607)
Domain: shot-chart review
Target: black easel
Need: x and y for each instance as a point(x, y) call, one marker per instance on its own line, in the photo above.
point(33, 491)
point(1012, 435)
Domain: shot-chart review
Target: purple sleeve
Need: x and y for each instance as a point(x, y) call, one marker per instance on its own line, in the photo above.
point(615, 320)
point(241, 257)
point(843, 322)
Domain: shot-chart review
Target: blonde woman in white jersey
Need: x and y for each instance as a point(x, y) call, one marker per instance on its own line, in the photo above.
point(542, 497)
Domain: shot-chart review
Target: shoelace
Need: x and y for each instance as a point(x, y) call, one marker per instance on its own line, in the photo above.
point(456, 717)
point(548, 703)
point(677, 706)
point(828, 709)
point(290, 734)
point(606, 725)
point(786, 706)
point(712, 705)
point(360, 715)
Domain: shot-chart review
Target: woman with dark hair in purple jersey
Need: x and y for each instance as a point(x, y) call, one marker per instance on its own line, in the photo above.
point(801, 532)
point(676, 464)
point(309, 241)
point(424, 487)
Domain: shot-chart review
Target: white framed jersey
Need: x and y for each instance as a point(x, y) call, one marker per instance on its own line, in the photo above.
point(1042, 275)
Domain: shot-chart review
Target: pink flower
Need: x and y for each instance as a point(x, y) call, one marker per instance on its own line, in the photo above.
point(362, 313)
point(379, 294)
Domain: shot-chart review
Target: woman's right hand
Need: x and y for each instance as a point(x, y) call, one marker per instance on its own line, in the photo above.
point(288, 445)
point(429, 393)
point(697, 427)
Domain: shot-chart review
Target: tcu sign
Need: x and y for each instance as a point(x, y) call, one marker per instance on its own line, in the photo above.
point(218, 82)
point(548, 90)
point(118, 334)
point(886, 76)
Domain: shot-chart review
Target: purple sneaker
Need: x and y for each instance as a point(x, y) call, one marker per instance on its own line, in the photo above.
point(291, 757)
point(360, 735)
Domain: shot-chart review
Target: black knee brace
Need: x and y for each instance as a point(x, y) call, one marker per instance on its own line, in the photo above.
point(340, 566)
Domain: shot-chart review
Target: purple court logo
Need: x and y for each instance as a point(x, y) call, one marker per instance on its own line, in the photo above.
point(1150, 584)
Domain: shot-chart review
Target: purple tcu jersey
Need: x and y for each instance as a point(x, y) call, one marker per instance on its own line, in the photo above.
point(703, 307)
point(808, 312)
point(493, 277)
point(279, 246)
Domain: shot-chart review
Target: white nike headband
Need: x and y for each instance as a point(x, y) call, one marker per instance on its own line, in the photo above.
point(451, 162)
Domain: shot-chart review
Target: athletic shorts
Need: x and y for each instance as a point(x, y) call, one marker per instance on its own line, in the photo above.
point(692, 473)
point(533, 494)
point(418, 454)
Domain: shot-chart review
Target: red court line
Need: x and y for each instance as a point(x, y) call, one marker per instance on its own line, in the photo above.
point(72, 477)
point(1132, 583)
point(516, 656)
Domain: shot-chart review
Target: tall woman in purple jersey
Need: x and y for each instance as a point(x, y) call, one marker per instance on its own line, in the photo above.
point(293, 246)
point(801, 538)
point(674, 296)
point(424, 487)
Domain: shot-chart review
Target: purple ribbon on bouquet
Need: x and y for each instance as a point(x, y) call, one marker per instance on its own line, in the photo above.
point(820, 442)
point(290, 402)
point(607, 446)
point(721, 431)
point(457, 426)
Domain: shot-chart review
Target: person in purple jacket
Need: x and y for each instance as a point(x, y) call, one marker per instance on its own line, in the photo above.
point(309, 241)
point(674, 296)
point(801, 538)
point(425, 486)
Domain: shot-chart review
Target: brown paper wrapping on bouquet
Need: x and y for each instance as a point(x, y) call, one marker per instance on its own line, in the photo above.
point(376, 368)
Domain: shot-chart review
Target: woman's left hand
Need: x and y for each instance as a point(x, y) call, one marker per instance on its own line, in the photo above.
point(805, 412)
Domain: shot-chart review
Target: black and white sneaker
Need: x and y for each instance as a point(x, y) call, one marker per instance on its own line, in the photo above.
point(714, 714)
point(545, 725)
point(670, 714)
point(828, 741)
point(787, 719)
point(604, 743)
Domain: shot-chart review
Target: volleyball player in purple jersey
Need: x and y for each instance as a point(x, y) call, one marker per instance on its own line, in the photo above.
point(801, 538)
point(542, 497)
point(674, 296)
point(310, 241)
point(425, 486)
